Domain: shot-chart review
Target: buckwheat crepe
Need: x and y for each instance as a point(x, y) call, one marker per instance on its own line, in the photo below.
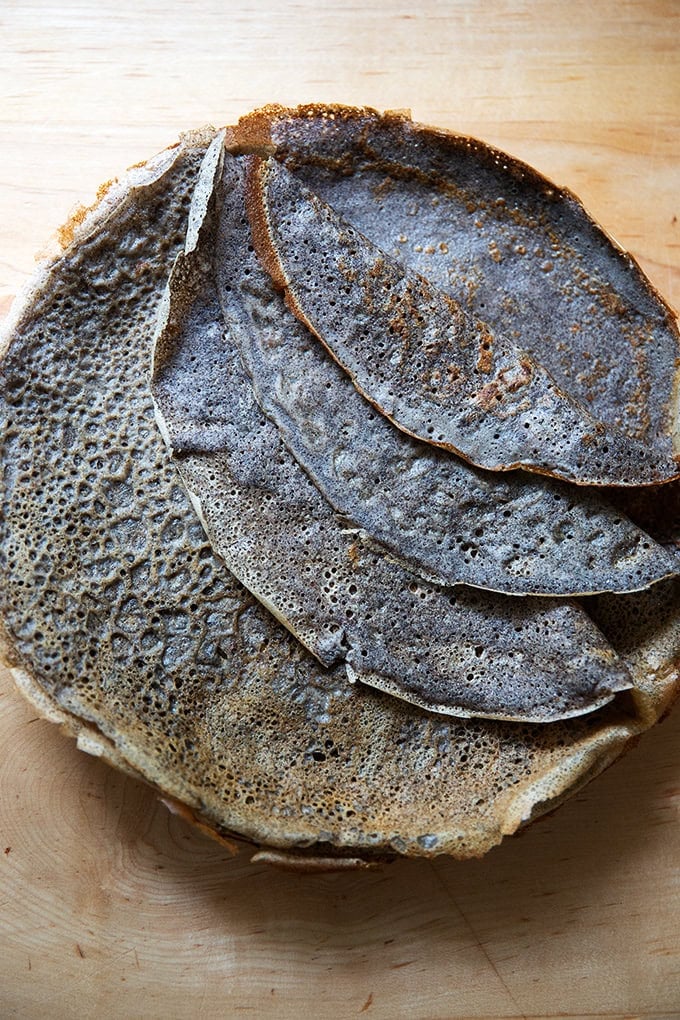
point(438, 373)
point(456, 652)
point(447, 520)
point(121, 623)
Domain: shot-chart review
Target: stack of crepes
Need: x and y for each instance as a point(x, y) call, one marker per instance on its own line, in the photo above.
point(412, 404)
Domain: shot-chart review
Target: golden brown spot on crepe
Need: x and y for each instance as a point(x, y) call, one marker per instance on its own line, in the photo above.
point(353, 554)
point(612, 303)
point(507, 381)
point(494, 251)
point(66, 233)
point(347, 271)
point(638, 403)
point(384, 187)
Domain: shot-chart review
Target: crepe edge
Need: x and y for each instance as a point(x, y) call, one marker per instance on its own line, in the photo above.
point(519, 807)
point(85, 220)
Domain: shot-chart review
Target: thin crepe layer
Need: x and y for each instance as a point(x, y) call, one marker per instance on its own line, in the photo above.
point(453, 652)
point(422, 361)
point(223, 710)
point(512, 248)
point(448, 521)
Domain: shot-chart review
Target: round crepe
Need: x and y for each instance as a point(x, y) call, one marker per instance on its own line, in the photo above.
point(120, 622)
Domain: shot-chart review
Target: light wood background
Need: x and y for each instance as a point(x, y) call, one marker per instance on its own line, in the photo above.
point(109, 907)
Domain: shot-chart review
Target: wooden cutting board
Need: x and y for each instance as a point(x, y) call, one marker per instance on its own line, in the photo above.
point(110, 907)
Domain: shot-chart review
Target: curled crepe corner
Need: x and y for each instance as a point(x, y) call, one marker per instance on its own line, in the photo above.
point(88, 220)
point(88, 738)
point(176, 807)
point(203, 191)
point(521, 806)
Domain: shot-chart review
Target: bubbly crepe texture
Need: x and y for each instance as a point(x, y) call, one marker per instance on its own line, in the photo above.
point(121, 624)
point(514, 250)
point(413, 352)
point(445, 519)
point(456, 652)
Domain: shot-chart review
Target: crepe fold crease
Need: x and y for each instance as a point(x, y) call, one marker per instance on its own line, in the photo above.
point(120, 617)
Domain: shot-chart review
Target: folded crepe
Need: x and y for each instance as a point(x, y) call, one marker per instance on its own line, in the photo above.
point(450, 522)
point(455, 652)
point(441, 375)
point(120, 619)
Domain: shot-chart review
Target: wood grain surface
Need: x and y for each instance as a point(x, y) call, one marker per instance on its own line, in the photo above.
point(111, 907)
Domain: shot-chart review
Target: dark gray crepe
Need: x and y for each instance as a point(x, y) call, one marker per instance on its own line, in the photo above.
point(447, 520)
point(510, 246)
point(412, 350)
point(459, 652)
